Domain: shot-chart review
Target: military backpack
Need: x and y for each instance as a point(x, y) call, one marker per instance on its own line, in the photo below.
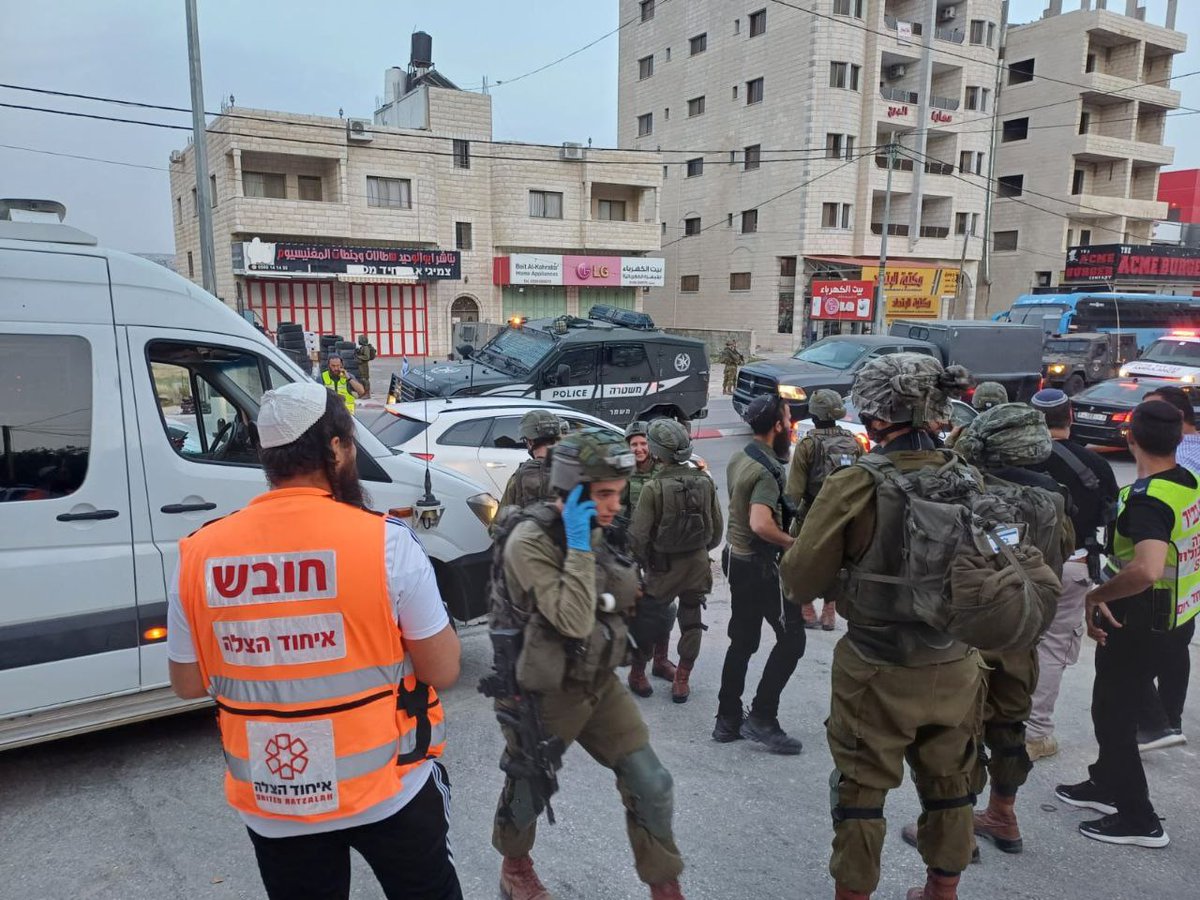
point(685, 523)
point(832, 450)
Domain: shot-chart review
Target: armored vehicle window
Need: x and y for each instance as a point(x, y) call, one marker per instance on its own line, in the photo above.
point(626, 363)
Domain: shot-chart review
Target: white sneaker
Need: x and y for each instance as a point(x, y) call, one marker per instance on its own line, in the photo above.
point(1160, 740)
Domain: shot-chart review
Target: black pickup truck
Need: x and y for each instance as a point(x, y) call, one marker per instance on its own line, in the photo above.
point(992, 351)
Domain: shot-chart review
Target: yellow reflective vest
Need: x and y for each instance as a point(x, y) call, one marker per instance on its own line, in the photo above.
point(341, 387)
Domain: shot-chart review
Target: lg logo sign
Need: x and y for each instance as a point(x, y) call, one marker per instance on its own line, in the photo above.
point(589, 270)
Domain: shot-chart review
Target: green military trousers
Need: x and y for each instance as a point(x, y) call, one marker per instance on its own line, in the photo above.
point(880, 716)
point(607, 724)
point(688, 577)
point(1011, 678)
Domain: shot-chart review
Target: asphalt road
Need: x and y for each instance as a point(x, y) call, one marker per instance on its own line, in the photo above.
point(138, 812)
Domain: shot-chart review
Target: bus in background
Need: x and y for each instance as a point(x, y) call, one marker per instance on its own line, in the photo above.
point(1148, 316)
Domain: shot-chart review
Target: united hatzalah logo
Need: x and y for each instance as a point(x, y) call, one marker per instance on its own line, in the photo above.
point(683, 362)
point(287, 756)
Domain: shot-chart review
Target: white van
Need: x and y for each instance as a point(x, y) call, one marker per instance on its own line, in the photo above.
point(125, 391)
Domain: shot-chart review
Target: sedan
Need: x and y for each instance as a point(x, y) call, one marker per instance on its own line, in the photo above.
point(1101, 413)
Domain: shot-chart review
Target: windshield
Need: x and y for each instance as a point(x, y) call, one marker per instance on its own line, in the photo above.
point(524, 347)
point(1045, 315)
point(1067, 346)
point(832, 354)
point(1174, 352)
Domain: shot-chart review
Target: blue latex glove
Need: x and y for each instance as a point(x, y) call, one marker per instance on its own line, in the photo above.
point(577, 519)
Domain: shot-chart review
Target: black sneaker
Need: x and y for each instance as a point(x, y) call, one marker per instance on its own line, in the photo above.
point(1087, 795)
point(727, 729)
point(1118, 830)
point(768, 733)
point(1159, 739)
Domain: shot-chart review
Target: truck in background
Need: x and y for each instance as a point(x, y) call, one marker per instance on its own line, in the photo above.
point(1004, 352)
point(1075, 361)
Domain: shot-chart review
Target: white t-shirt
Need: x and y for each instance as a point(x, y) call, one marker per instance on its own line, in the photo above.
point(420, 613)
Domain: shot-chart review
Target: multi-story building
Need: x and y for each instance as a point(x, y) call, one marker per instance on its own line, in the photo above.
point(1082, 116)
point(774, 123)
point(399, 226)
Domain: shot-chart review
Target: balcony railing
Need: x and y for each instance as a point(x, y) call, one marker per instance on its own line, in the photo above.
point(948, 33)
point(939, 168)
point(934, 231)
point(943, 102)
point(894, 230)
point(892, 21)
point(899, 96)
point(899, 164)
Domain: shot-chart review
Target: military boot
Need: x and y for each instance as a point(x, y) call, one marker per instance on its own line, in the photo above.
point(666, 890)
point(663, 667)
point(998, 823)
point(638, 682)
point(841, 892)
point(828, 616)
point(937, 887)
point(680, 690)
point(518, 881)
point(808, 613)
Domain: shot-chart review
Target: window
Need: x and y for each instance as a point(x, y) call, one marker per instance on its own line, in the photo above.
point(737, 26)
point(689, 284)
point(698, 44)
point(739, 281)
point(505, 434)
point(462, 236)
point(691, 226)
point(462, 154)
point(844, 75)
point(309, 187)
point(835, 215)
point(1085, 121)
point(212, 191)
point(787, 267)
point(625, 364)
point(546, 204)
point(1042, 279)
point(1010, 185)
point(178, 210)
point(735, 92)
point(467, 434)
point(751, 157)
point(1090, 64)
point(1085, 237)
point(667, 113)
point(978, 31)
point(645, 124)
point(696, 107)
point(647, 10)
point(1077, 181)
point(977, 98)
point(645, 67)
point(47, 415)
point(191, 266)
point(961, 220)
point(754, 91)
point(848, 8)
point(749, 221)
point(667, 53)
point(581, 362)
point(1020, 72)
point(758, 22)
point(389, 193)
point(695, 167)
point(1004, 241)
point(206, 396)
point(970, 162)
point(264, 184)
point(610, 210)
point(195, 204)
point(1015, 130)
point(991, 33)
point(787, 312)
point(838, 146)
point(665, 170)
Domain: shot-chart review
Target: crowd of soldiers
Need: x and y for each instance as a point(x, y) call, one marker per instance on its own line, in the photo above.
point(963, 572)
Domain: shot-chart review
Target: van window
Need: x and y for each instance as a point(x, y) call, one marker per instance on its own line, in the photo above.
point(45, 415)
point(626, 364)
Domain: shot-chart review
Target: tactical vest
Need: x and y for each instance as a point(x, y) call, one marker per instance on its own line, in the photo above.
point(633, 488)
point(341, 387)
point(833, 448)
point(1180, 580)
point(320, 714)
point(531, 482)
point(549, 661)
point(685, 523)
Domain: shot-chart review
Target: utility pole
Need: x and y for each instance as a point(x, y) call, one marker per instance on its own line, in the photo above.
point(968, 233)
point(880, 298)
point(208, 267)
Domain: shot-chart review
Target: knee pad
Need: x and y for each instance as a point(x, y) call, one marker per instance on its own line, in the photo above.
point(848, 800)
point(517, 805)
point(941, 794)
point(649, 790)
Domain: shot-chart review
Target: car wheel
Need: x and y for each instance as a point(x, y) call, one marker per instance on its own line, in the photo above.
point(1073, 385)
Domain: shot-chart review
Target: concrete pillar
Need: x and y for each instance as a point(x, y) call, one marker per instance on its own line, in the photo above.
point(1085, 5)
point(1101, 4)
point(1055, 8)
point(1172, 9)
point(1131, 7)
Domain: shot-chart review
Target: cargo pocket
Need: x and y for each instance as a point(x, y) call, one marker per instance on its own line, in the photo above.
point(1074, 643)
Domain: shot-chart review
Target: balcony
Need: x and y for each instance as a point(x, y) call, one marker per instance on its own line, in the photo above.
point(899, 164)
point(944, 102)
point(935, 167)
point(1098, 148)
point(935, 231)
point(899, 95)
point(634, 236)
point(951, 33)
point(1097, 206)
point(890, 22)
point(895, 229)
point(1101, 89)
point(292, 217)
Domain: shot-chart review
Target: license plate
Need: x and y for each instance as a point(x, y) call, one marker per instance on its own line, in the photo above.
point(1091, 417)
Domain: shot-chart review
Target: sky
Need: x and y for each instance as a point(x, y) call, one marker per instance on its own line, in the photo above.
point(312, 56)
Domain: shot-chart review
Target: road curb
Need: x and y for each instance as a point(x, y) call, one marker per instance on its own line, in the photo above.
point(729, 431)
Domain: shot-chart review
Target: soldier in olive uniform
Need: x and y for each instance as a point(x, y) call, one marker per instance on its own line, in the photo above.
point(677, 522)
point(571, 592)
point(987, 395)
point(541, 430)
point(732, 360)
point(645, 466)
point(821, 452)
point(900, 688)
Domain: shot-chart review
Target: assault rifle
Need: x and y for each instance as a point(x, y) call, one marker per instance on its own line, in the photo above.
point(539, 757)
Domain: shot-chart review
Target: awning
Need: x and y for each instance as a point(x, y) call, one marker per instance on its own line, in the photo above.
point(892, 261)
point(378, 279)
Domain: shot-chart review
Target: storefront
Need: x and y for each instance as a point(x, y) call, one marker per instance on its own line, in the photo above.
point(385, 293)
point(1124, 267)
point(539, 285)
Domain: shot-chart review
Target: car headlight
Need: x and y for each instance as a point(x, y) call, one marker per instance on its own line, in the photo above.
point(1057, 369)
point(1123, 372)
point(1189, 379)
point(485, 507)
point(791, 392)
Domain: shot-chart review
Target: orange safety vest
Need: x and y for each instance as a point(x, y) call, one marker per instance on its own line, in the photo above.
point(320, 713)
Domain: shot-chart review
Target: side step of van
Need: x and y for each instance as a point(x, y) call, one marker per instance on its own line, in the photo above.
point(93, 715)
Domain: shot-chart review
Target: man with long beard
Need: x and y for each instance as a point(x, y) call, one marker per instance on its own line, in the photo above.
point(317, 627)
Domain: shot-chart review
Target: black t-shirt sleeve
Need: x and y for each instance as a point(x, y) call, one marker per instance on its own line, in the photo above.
point(1146, 519)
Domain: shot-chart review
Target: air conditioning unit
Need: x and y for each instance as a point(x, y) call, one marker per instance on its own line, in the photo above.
point(572, 151)
point(359, 130)
point(948, 13)
point(176, 156)
point(897, 71)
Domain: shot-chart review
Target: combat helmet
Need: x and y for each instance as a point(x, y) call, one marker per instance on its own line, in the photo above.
point(1011, 434)
point(826, 405)
point(587, 455)
point(989, 394)
point(541, 425)
point(636, 428)
point(907, 388)
point(669, 441)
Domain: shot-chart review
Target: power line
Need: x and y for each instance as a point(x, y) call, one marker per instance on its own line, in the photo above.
point(111, 162)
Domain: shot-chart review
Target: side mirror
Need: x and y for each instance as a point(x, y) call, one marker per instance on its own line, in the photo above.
point(562, 375)
point(465, 351)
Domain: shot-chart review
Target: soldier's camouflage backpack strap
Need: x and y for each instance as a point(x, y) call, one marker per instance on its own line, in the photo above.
point(833, 449)
point(685, 523)
point(1040, 511)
